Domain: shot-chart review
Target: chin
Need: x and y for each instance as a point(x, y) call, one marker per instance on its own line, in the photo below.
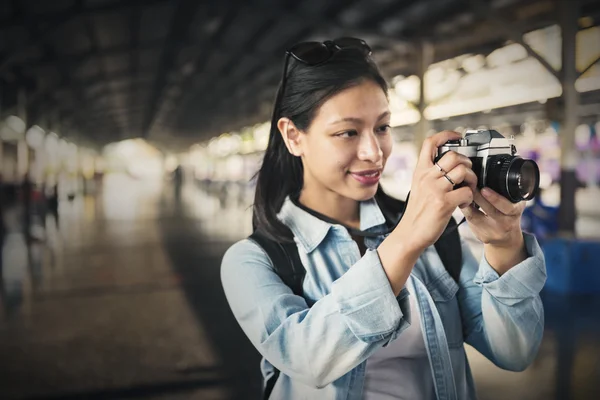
point(363, 194)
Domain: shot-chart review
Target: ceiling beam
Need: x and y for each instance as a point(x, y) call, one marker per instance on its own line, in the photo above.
point(181, 20)
point(91, 31)
point(77, 59)
point(35, 36)
point(135, 19)
point(78, 10)
point(271, 59)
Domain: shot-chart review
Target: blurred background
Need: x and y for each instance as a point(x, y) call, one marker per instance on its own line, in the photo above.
point(130, 131)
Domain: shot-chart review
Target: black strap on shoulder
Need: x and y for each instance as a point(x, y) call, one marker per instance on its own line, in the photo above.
point(287, 264)
point(270, 385)
point(449, 249)
point(285, 260)
point(447, 246)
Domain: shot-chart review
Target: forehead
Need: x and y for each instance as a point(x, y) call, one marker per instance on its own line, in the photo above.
point(366, 101)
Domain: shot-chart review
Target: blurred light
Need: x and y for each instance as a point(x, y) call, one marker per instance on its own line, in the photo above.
point(212, 146)
point(545, 180)
point(63, 148)
point(136, 157)
point(87, 165)
point(16, 124)
point(506, 55)
point(408, 116)
point(51, 143)
point(228, 144)
point(261, 136)
point(408, 89)
point(13, 129)
point(439, 83)
point(583, 134)
point(473, 63)
point(171, 163)
point(402, 112)
point(99, 164)
point(522, 82)
point(72, 148)
point(235, 168)
point(35, 137)
point(588, 83)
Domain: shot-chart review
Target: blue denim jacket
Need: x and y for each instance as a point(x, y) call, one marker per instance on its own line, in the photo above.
point(321, 342)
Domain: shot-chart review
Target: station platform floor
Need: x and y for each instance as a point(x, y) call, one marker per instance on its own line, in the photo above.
point(122, 299)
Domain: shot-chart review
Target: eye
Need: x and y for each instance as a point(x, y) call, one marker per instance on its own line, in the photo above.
point(383, 129)
point(347, 134)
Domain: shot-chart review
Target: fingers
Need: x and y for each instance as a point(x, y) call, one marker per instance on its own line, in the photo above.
point(461, 174)
point(452, 159)
point(499, 203)
point(472, 214)
point(461, 197)
point(485, 205)
point(430, 145)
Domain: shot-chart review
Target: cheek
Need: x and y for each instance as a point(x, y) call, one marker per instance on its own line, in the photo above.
point(327, 156)
point(386, 146)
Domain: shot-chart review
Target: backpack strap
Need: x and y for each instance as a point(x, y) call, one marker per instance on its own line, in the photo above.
point(449, 249)
point(285, 259)
point(287, 264)
point(448, 246)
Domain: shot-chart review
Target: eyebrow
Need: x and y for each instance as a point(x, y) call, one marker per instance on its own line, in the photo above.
point(358, 120)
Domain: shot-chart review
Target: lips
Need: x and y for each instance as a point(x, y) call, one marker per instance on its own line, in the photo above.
point(368, 177)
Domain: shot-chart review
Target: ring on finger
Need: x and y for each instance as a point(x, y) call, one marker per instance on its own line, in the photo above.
point(440, 168)
point(449, 180)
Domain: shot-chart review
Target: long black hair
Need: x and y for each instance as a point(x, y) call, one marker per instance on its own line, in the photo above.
point(306, 89)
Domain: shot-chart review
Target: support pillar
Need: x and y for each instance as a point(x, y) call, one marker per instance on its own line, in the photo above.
point(425, 51)
point(569, 13)
point(23, 178)
point(22, 149)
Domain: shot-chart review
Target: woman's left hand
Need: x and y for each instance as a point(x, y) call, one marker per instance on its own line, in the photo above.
point(498, 225)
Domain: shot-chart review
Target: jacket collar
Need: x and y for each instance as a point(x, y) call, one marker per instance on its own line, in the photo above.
point(310, 230)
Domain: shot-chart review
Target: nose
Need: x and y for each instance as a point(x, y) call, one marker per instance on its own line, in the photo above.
point(369, 148)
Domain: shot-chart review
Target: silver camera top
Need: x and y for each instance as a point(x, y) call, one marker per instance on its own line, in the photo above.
point(480, 143)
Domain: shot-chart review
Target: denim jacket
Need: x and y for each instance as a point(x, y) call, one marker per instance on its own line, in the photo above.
point(320, 342)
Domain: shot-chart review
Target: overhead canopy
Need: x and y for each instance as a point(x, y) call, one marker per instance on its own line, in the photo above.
point(182, 71)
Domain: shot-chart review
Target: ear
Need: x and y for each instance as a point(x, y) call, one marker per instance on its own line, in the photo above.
point(292, 136)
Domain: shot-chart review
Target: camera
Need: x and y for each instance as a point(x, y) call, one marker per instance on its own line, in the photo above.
point(496, 164)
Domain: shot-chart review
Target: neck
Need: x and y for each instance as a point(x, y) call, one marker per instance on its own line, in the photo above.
point(332, 205)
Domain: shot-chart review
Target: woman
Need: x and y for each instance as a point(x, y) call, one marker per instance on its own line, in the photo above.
point(380, 317)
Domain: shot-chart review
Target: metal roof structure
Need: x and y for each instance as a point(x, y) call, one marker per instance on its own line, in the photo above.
point(181, 71)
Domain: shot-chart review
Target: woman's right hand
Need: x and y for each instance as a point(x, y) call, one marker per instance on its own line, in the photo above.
point(433, 198)
point(432, 201)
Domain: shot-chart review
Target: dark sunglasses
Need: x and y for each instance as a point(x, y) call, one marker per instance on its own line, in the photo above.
point(315, 53)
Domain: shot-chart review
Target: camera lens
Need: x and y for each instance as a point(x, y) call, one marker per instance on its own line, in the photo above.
point(515, 178)
point(528, 179)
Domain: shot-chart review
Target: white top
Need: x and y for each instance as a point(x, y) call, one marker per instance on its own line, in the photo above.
point(401, 369)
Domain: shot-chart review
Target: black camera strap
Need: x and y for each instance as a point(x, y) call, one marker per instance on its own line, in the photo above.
point(391, 222)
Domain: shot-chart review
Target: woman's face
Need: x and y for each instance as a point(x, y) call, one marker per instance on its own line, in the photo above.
point(346, 147)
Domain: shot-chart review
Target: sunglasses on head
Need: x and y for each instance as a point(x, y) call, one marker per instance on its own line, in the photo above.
point(316, 53)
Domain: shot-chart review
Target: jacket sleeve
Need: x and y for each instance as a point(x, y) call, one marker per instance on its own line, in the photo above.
point(319, 344)
point(503, 316)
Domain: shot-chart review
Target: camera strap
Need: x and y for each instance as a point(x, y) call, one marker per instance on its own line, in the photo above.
point(390, 221)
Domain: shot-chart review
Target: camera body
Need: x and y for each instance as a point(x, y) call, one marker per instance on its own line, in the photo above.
point(496, 164)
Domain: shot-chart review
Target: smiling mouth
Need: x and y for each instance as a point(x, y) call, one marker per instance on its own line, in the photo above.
point(367, 174)
point(367, 178)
